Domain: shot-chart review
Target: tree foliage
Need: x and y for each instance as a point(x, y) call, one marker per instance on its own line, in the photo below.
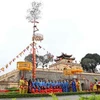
point(40, 60)
point(90, 61)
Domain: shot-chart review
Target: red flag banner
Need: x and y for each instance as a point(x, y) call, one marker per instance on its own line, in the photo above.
point(15, 58)
point(20, 54)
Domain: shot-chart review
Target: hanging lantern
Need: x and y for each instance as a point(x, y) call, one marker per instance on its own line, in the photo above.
point(24, 66)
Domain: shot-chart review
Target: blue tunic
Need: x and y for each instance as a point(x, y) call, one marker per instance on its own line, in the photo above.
point(41, 84)
point(33, 85)
point(66, 87)
point(48, 84)
point(62, 86)
point(53, 84)
point(56, 84)
point(74, 86)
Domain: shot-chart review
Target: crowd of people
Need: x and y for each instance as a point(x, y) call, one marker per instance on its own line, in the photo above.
point(47, 86)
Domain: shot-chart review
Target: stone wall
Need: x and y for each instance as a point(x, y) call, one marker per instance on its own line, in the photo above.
point(11, 76)
point(5, 84)
point(46, 74)
point(14, 76)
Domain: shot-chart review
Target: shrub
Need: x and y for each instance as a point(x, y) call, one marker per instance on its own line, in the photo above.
point(93, 97)
point(14, 94)
point(12, 89)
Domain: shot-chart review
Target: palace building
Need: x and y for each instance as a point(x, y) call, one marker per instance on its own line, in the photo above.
point(64, 61)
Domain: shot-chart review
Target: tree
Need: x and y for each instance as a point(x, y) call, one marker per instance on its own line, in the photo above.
point(90, 61)
point(34, 12)
point(40, 60)
point(94, 56)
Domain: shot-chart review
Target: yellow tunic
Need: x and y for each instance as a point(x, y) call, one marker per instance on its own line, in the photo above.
point(94, 87)
point(25, 87)
point(21, 86)
point(78, 86)
point(21, 82)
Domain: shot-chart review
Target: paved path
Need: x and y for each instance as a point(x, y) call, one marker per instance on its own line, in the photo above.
point(72, 97)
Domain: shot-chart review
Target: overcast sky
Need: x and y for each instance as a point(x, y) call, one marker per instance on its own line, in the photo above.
point(69, 26)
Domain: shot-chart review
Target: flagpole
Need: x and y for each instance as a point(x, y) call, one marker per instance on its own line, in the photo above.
point(34, 54)
point(33, 15)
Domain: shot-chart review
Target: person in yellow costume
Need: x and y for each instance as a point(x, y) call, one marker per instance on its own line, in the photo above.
point(21, 85)
point(94, 87)
point(25, 86)
point(77, 85)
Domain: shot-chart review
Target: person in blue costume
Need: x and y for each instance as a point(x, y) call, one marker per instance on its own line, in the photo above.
point(56, 84)
point(59, 83)
point(41, 84)
point(37, 83)
point(44, 84)
point(66, 86)
point(73, 86)
point(34, 84)
point(48, 83)
point(52, 84)
point(62, 85)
